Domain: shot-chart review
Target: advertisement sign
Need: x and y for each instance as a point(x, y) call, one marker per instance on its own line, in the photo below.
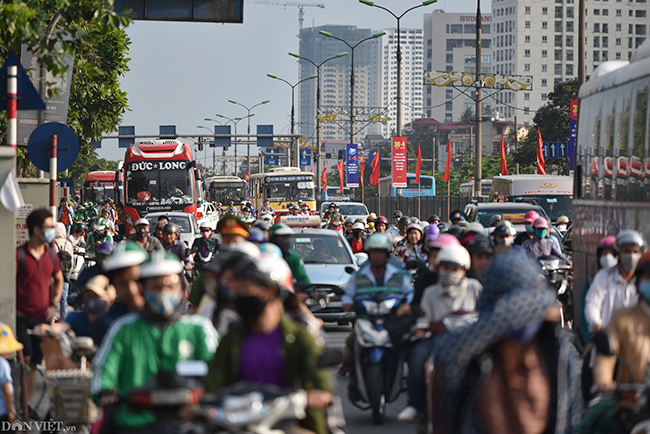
point(573, 126)
point(352, 166)
point(399, 162)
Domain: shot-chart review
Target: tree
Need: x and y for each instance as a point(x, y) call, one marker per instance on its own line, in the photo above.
point(467, 115)
point(88, 161)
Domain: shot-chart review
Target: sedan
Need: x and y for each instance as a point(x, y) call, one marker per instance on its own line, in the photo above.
point(185, 222)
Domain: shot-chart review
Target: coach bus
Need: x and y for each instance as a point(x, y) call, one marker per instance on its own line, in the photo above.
point(612, 177)
point(100, 185)
point(283, 186)
point(427, 186)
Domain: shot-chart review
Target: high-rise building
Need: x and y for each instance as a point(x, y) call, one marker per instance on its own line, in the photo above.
point(541, 39)
point(450, 45)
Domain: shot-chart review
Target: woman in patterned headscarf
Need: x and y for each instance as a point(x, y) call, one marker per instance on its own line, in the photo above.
point(514, 370)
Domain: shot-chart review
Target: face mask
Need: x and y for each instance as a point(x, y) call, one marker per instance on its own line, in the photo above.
point(48, 236)
point(99, 233)
point(371, 225)
point(644, 289)
point(250, 308)
point(357, 233)
point(607, 261)
point(529, 229)
point(629, 261)
point(95, 306)
point(540, 233)
point(449, 278)
point(507, 242)
point(161, 303)
point(526, 334)
point(142, 234)
point(561, 228)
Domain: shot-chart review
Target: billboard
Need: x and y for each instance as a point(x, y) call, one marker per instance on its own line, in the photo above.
point(399, 162)
point(352, 166)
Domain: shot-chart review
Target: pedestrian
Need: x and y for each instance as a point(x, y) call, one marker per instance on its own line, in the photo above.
point(8, 345)
point(65, 252)
point(65, 214)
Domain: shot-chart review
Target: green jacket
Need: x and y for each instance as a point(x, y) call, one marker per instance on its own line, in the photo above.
point(301, 353)
point(93, 237)
point(297, 267)
point(134, 350)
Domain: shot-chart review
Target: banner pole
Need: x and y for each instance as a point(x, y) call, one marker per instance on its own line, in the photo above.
point(419, 200)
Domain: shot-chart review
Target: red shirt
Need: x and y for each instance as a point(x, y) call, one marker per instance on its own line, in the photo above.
point(33, 283)
point(357, 246)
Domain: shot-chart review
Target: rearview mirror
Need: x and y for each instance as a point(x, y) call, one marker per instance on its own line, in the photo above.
point(192, 368)
point(349, 270)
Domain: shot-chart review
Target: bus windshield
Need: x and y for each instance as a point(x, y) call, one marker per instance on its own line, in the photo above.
point(280, 190)
point(147, 184)
point(225, 192)
point(555, 206)
point(97, 193)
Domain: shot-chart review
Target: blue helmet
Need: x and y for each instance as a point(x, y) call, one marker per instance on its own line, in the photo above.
point(256, 235)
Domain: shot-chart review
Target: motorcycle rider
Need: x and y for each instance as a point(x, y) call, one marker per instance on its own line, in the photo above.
point(540, 244)
point(267, 347)
point(382, 225)
point(142, 236)
point(482, 253)
point(172, 244)
point(77, 236)
point(529, 218)
point(400, 233)
point(357, 237)
point(412, 246)
point(294, 210)
point(394, 229)
point(495, 220)
point(266, 207)
point(305, 211)
point(139, 344)
point(232, 230)
point(106, 213)
point(232, 209)
point(207, 242)
point(335, 215)
point(504, 237)
point(98, 236)
point(561, 224)
point(434, 219)
point(456, 217)
point(428, 277)
point(280, 235)
point(158, 228)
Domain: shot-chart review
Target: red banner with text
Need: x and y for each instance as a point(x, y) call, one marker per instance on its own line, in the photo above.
point(399, 162)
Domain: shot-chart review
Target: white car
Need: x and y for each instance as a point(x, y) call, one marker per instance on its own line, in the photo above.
point(208, 213)
point(185, 222)
point(355, 210)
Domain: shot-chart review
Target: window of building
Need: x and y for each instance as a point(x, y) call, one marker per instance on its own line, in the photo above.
point(618, 56)
point(569, 70)
point(544, 11)
point(596, 27)
point(640, 29)
point(618, 41)
point(596, 12)
point(631, 13)
point(569, 41)
point(569, 26)
point(543, 82)
point(485, 28)
point(558, 26)
point(605, 28)
point(526, 95)
point(527, 10)
point(619, 12)
point(527, 67)
point(569, 12)
point(544, 68)
point(558, 54)
point(604, 56)
point(527, 38)
point(449, 106)
point(557, 81)
point(526, 110)
point(630, 42)
point(596, 41)
point(448, 117)
point(544, 53)
point(569, 55)
point(527, 24)
point(449, 93)
point(619, 27)
point(558, 69)
point(456, 28)
point(544, 97)
point(558, 12)
point(544, 25)
point(450, 58)
point(641, 13)
point(470, 28)
point(605, 12)
point(526, 53)
point(605, 41)
point(596, 56)
point(558, 40)
point(544, 39)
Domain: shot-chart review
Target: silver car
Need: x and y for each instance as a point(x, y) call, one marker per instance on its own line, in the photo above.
point(185, 222)
point(329, 264)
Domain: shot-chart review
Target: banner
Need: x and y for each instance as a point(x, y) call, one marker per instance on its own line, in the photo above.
point(399, 162)
point(418, 164)
point(573, 127)
point(504, 163)
point(352, 166)
point(375, 163)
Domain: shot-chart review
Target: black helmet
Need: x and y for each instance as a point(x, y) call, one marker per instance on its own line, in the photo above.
point(80, 227)
point(456, 231)
point(397, 214)
point(480, 244)
point(433, 218)
point(404, 221)
point(171, 228)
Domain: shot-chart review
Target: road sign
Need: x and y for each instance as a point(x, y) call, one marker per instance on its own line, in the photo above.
point(222, 141)
point(263, 131)
point(305, 157)
point(38, 146)
point(28, 97)
point(126, 136)
point(272, 160)
point(555, 149)
point(213, 11)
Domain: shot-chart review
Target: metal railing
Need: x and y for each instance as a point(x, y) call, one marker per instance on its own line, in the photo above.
point(386, 206)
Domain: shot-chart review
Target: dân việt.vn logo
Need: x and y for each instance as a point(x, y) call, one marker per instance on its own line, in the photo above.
point(34, 426)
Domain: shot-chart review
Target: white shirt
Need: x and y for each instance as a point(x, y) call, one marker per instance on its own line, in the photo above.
point(608, 292)
point(438, 302)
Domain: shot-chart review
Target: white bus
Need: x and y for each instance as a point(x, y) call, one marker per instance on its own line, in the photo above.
point(466, 189)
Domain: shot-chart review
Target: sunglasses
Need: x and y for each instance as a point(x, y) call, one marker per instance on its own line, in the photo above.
point(206, 230)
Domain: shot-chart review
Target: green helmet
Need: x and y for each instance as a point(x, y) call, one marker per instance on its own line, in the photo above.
point(378, 242)
point(161, 263)
point(79, 208)
point(100, 224)
point(90, 204)
point(280, 229)
point(126, 254)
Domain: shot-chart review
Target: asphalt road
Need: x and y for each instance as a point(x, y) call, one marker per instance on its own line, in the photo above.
point(358, 421)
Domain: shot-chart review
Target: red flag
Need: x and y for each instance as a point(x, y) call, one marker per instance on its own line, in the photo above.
point(362, 167)
point(540, 156)
point(376, 167)
point(312, 168)
point(341, 170)
point(324, 176)
point(504, 164)
point(446, 177)
point(418, 164)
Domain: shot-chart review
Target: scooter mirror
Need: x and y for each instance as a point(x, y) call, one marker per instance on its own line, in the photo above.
point(603, 343)
point(191, 368)
point(349, 270)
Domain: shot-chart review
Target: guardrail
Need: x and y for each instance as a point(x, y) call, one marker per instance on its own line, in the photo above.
point(429, 205)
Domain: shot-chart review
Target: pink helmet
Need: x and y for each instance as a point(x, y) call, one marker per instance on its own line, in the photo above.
point(443, 240)
point(540, 223)
point(531, 216)
point(607, 241)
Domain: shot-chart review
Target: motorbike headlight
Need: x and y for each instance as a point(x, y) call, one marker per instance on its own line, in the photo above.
point(550, 264)
point(386, 306)
point(370, 307)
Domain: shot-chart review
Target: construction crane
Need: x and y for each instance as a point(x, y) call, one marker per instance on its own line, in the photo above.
point(301, 6)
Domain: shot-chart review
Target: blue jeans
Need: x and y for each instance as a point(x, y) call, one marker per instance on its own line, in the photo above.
point(416, 379)
point(64, 300)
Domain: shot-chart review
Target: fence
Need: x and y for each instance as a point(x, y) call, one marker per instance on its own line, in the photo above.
point(429, 205)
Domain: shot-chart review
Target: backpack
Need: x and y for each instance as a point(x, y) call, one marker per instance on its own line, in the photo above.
point(21, 256)
point(65, 258)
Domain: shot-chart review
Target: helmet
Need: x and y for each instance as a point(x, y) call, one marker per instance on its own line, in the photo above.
point(629, 237)
point(299, 201)
point(378, 242)
point(247, 209)
point(432, 218)
point(456, 256)
point(432, 232)
point(79, 208)
point(562, 220)
point(443, 240)
point(280, 229)
point(8, 343)
point(505, 229)
point(607, 241)
point(171, 228)
point(404, 221)
point(397, 215)
point(531, 216)
point(332, 206)
point(540, 223)
point(349, 220)
point(256, 235)
point(304, 205)
point(104, 249)
point(142, 221)
point(90, 204)
point(205, 224)
point(471, 231)
point(161, 224)
point(480, 244)
point(495, 218)
point(415, 220)
point(271, 249)
point(456, 231)
point(80, 227)
point(105, 210)
point(100, 224)
point(372, 216)
point(358, 226)
point(416, 227)
point(262, 224)
point(126, 254)
point(382, 219)
point(228, 256)
point(443, 227)
point(457, 215)
point(268, 269)
point(160, 263)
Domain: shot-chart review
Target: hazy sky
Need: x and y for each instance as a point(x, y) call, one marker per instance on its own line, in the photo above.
point(182, 73)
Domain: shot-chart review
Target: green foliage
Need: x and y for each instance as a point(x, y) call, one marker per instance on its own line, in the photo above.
point(88, 161)
point(467, 115)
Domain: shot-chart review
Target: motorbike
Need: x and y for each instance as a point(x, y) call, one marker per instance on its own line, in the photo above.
point(559, 277)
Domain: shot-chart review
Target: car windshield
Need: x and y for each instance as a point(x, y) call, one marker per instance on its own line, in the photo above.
point(290, 188)
point(320, 249)
point(513, 215)
point(555, 206)
point(356, 209)
point(182, 222)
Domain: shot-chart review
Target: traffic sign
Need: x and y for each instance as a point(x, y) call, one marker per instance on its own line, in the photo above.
point(38, 146)
point(28, 97)
point(305, 157)
point(555, 149)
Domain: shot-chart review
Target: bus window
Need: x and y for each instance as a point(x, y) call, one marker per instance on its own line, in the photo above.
point(639, 144)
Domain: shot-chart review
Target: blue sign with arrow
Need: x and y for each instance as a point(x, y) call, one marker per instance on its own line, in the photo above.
point(555, 149)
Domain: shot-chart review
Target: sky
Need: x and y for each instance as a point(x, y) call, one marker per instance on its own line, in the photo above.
point(181, 73)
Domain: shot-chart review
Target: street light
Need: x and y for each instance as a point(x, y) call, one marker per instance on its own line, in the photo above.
point(234, 121)
point(399, 53)
point(249, 127)
point(318, 134)
point(352, 48)
point(293, 112)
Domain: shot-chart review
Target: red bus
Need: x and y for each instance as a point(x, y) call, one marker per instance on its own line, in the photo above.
point(160, 176)
point(100, 185)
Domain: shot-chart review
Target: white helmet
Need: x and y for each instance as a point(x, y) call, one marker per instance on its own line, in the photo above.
point(455, 256)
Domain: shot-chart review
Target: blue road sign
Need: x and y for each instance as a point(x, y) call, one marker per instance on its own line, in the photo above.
point(126, 136)
point(167, 131)
point(305, 157)
point(555, 149)
point(222, 141)
point(265, 130)
point(38, 146)
point(272, 160)
point(28, 97)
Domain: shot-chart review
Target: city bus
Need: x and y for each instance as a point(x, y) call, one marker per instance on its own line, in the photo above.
point(612, 172)
point(283, 186)
point(334, 194)
point(427, 186)
point(160, 175)
point(225, 189)
point(100, 185)
point(466, 190)
point(553, 193)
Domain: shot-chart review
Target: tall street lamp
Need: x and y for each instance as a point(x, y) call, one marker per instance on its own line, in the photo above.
point(399, 54)
point(318, 134)
point(296, 150)
point(249, 126)
point(352, 48)
point(235, 121)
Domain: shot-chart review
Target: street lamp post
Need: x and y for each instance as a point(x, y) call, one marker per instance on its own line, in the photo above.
point(318, 133)
point(352, 48)
point(214, 150)
point(296, 150)
point(249, 126)
point(235, 121)
point(399, 53)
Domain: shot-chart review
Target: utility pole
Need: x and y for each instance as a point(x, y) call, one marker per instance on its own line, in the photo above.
point(399, 79)
point(478, 150)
